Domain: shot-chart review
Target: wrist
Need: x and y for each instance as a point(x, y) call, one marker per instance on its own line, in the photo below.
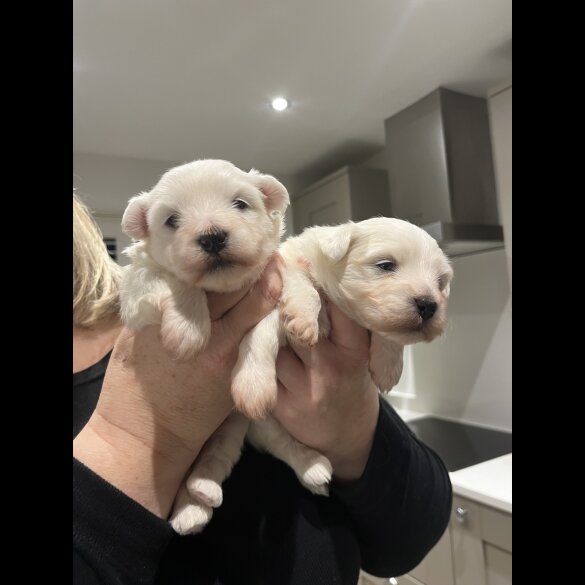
point(350, 455)
point(148, 475)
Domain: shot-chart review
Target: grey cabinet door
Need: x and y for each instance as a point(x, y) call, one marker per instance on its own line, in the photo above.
point(350, 193)
point(328, 203)
point(482, 544)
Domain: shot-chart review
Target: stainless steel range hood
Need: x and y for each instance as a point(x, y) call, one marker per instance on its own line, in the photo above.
point(441, 171)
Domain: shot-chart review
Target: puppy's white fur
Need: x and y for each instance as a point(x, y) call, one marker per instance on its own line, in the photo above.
point(174, 263)
point(381, 272)
point(171, 268)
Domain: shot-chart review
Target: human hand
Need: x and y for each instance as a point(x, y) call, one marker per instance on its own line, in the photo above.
point(155, 413)
point(326, 398)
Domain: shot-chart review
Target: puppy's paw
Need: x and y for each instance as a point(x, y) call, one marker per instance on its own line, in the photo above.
point(254, 392)
point(300, 326)
point(385, 362)
point(384, 379)
point(183, 343)
point(385, 375)
point(206, 491)
point(316, 475)
point(191, 518)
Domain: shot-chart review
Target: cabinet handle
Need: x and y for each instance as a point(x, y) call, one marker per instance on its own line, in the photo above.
point(461, 514)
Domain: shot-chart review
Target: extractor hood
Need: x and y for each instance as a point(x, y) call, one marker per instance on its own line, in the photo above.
point(441, 172)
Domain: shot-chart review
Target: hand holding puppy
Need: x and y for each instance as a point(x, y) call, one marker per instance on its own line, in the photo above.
point(326, 398)
point(155, 413)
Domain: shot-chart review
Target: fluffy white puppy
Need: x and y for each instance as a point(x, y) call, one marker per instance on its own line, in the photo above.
point(388, 275)
point(205, 226)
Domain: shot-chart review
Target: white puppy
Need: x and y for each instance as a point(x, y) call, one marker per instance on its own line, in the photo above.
point(388, 275)
point(205, 226)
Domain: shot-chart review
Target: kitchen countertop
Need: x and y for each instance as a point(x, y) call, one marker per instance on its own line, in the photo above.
point(488, 483)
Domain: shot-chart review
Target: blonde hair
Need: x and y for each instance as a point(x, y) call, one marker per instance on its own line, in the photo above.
point(96, 277)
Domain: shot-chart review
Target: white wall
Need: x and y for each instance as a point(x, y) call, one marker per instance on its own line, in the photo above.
point(467, 374)
point(106, 183)
point(500, 109)
point(377, 161)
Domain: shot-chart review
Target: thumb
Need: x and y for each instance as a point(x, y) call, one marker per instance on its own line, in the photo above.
point(346, 333)
point(254, 306)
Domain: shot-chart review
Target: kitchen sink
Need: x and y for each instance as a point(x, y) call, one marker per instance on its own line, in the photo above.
point(460, 444)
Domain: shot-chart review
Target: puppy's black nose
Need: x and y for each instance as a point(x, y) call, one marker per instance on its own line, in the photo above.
point(426, 308)
point(214, 242)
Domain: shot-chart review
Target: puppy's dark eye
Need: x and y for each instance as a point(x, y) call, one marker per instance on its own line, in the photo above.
point(386, 265)
point(442, 282)
point(240, 204)
point(173, 221)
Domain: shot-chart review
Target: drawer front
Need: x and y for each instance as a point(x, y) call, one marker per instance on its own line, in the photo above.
point(496, 528)
point(498, 566)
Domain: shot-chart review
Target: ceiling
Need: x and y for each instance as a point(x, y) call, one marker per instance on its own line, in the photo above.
point(176, 80)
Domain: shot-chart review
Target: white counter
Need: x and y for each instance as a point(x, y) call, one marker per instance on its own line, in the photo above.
point(489, 482)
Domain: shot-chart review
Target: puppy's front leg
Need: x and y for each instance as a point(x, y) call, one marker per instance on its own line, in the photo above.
point(254, 386)
point(385, 362)
point(300, 304)
point(193, 510)
point(141, 294)
point(185, 323)
point(313, 469)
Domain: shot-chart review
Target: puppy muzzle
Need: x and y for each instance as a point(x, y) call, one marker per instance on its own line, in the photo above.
point(214, 242)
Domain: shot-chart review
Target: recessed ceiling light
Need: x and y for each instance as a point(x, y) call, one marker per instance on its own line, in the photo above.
point(280, 104)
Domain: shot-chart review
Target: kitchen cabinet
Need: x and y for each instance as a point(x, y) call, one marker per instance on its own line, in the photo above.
point(476, 549)
point(354, 193)
point(482, 544)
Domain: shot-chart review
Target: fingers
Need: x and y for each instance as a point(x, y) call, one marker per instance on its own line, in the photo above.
point(220, 303)
point(345, 333)
point(255, 305)
point(290, 370)
point(291, 377)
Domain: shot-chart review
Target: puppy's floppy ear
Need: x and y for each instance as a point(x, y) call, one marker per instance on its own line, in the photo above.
point(276, 196)
point(335, 243)
point(134, 221)
point(447, 289)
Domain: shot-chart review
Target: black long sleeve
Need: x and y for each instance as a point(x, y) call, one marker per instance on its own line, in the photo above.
point(115, 539)
point(401, 505)
point(270, 529)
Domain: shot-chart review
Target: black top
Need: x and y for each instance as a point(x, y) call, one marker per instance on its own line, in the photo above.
point(87, 386)
point(270, 530)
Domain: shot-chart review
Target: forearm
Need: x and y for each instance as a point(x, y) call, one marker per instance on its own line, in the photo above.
point(350, 449)
point(134, 465)
point(401, 504)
